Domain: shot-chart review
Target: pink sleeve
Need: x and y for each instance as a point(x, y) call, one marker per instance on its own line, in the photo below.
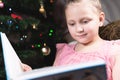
point(59, 47)
point(113, 63)
point(116, 68)
point(110, 64)
point(117, 42)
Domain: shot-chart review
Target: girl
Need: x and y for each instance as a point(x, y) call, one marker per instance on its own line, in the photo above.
point(83, 19)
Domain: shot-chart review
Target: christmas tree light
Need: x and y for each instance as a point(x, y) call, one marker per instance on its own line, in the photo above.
point(1, 4)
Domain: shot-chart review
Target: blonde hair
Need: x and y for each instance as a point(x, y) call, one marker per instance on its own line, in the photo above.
point(95, 3)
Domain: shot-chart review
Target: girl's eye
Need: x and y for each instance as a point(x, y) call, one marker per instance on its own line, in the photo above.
point(85, 21)
point(71, 24)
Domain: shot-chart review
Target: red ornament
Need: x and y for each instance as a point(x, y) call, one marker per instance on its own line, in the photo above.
point(16, 16)
point(40, 34)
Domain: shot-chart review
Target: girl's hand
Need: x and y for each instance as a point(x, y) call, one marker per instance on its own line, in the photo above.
point(26, 67)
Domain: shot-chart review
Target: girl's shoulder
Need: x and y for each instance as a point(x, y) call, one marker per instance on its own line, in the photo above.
point(63, 49)
point(61, 46)
point(115, 46)
point(114, 42)
point(109, 48)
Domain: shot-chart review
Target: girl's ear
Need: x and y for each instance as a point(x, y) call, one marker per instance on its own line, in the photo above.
point(102, 18)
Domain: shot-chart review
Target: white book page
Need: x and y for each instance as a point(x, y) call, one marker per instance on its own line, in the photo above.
point(11, 60)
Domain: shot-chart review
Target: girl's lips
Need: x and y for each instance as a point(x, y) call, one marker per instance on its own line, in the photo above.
point(81, 35)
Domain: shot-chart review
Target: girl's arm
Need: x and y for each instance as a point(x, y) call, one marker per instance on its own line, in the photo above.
point(116, 67)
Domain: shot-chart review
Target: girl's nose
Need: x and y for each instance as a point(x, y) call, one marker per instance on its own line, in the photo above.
point(79, 28)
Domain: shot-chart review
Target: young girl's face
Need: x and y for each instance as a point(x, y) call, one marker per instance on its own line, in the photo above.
point(83, 21)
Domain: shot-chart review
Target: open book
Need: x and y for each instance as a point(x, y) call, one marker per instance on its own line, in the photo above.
point(85, 71)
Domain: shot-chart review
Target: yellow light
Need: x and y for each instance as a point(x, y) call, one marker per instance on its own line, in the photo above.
point(34, 26)
point(0, 1)
point(42, 10)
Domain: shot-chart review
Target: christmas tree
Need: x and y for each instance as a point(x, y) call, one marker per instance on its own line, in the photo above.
point(30, 27)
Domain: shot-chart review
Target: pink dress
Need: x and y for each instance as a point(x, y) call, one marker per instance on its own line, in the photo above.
point(67, 56)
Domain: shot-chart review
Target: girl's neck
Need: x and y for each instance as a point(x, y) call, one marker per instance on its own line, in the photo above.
point(92, 46)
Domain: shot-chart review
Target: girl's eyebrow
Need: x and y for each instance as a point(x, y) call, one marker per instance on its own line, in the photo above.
point(88, 18)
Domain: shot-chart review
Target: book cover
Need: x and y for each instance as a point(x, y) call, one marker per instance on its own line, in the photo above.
point(84, 71)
